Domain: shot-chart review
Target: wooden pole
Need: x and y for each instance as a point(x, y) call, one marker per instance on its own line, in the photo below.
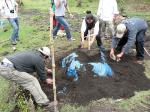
point(89, 40)
point(53, 58)
point(147, 51)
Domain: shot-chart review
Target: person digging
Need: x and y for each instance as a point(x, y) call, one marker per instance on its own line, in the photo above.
point(18, 68)
point(87, 25)
point(128, 32)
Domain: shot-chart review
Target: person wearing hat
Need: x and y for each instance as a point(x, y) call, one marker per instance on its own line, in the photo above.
point(128, 32)
point(19, 67)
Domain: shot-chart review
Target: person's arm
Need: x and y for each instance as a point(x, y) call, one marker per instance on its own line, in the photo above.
point(48, 70)
point(57, 3)
point(2, 11)
point(16, 7)
point(68, 10)
point(41, 71)
point(40, 68)
point(131, 40)
point(83, 28)
point(99, 8)
point(115, 10)
point(113, 46)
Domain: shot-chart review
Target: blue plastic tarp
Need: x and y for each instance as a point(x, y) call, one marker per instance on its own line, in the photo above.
point(73, 65)
point(101, 69)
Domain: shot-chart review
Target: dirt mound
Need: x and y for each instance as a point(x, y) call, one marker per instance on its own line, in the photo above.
point(128, 78)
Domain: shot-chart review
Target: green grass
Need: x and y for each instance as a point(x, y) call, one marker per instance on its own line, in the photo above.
point(147, 68)
point(73, 108)
point(39, 5)
point(139, 99)
point(4, 92)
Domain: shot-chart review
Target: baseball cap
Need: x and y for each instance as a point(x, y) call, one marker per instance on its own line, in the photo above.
point(45, 51)
point(120, 30)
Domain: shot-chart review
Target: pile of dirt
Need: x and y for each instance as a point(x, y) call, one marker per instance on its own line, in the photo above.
point(128, 78)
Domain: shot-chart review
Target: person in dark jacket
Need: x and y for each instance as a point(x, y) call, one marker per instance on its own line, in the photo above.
point(128, 32)
point(18, 68)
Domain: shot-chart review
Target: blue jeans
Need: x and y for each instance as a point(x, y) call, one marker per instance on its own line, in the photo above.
point(15, 24)
point(1, 24)
point(102, 54)
point(61, 21)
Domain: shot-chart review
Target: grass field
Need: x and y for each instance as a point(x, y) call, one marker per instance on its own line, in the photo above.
point(32, 37)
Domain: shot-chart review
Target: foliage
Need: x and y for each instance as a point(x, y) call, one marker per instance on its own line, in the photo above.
point(139, 100)
point(72, 108)
point(5, 106)
point(22, 104)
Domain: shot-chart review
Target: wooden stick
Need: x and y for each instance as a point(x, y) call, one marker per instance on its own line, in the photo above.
point(89, 39)
point(90, 35)
point(147, 51)
point(53, 58)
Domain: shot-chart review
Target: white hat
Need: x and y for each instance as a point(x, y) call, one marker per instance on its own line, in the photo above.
point(120, 30)
point(45, 51)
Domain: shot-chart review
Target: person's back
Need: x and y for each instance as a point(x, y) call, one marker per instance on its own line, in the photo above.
point(17, 68)
point(26, 61)
point(107, 13)
point(60, 10)
point(135, 24)
point(8, 9)
point(107, 9)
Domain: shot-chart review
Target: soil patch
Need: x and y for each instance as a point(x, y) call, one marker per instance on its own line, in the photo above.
point(128, 78)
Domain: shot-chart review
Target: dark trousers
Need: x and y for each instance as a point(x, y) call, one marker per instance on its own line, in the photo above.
point(139, 44)
point(100, 46)
point(98, 37)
